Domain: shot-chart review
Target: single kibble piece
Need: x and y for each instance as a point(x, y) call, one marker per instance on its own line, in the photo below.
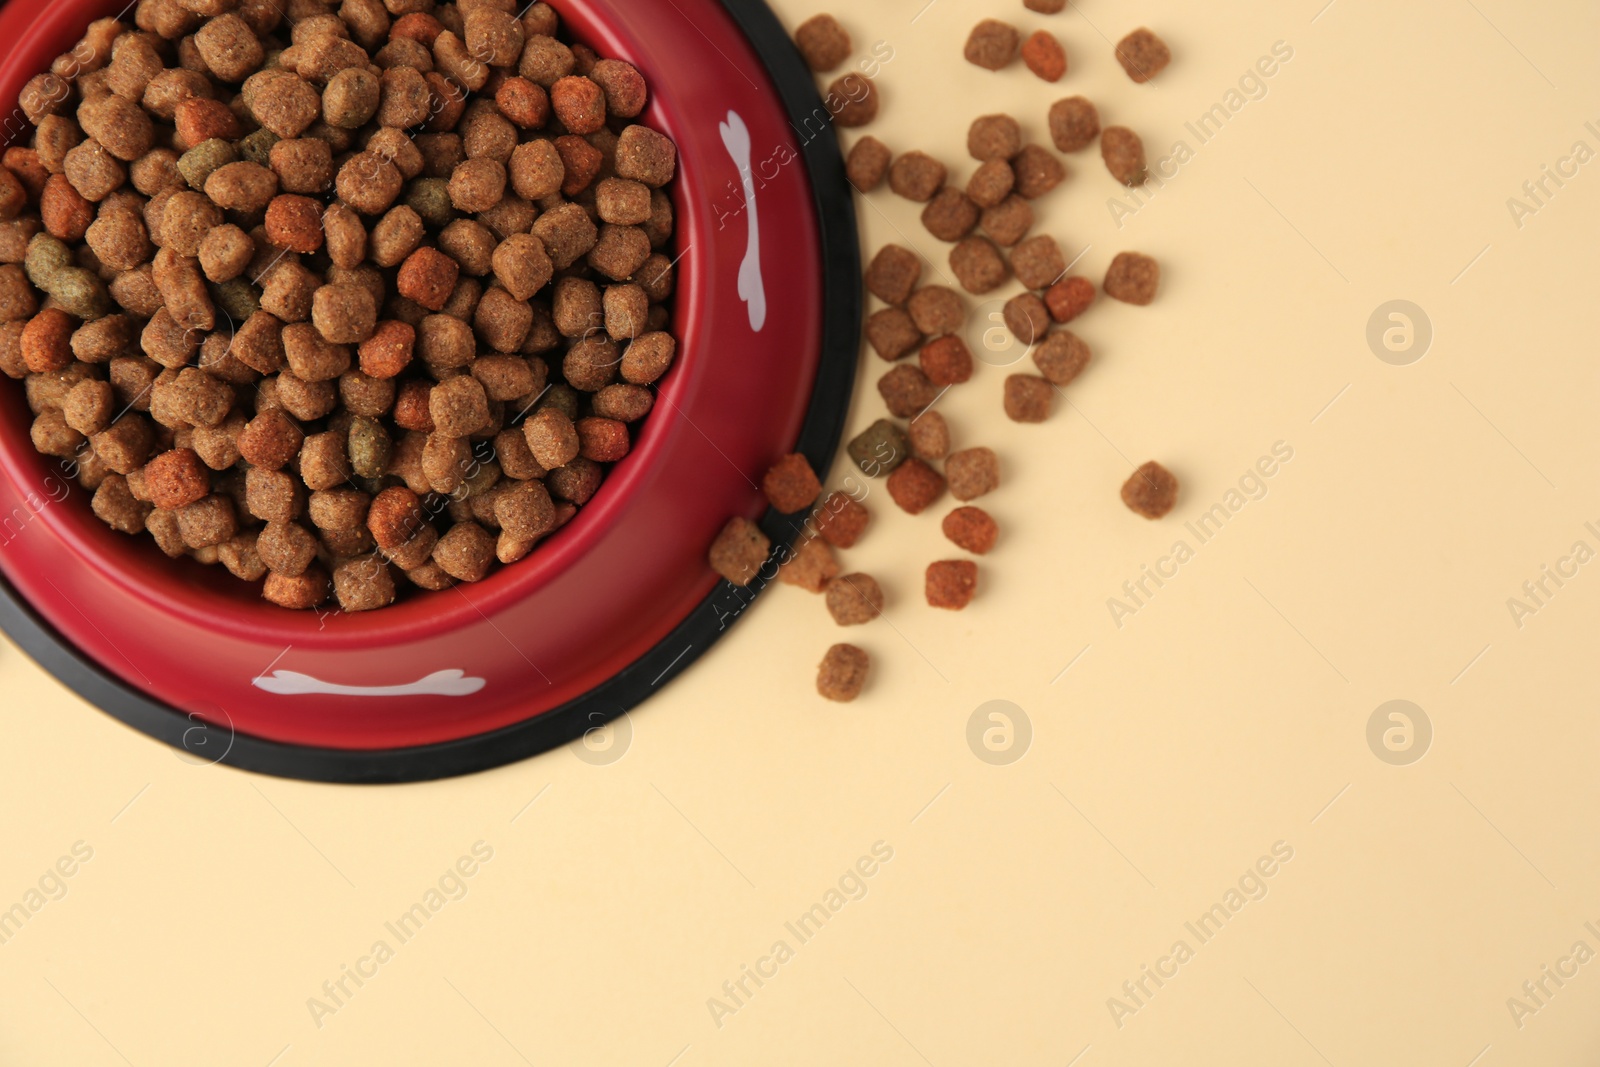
point(950, 215)
point(1062, 357)
point(1123, 152)
point(907, 391)
point(1143, 55)
point(841, 520)
point(951, 583)
point(1008, 221)
point(1132, 278)
point(1074, 123)
point(842, 674)
point(972, 472)
point(994, 137)
point(1027, 317)
point(867, 164)
point(936, 309)
point(978, 265)
point(811, 566)
point(1151, 490)
point(893, 273)
point(879, 449)
point(892, 333)
point(852, 100)
point(914, 485)
point(1028, 398)
point(176, 479)
point(823, 43)
point(854, 599)
point(945, 361)
point(992, 44)
point(790, 484)
point(929, 435)
point(1069, 298)
point(1038, 262)
point(970, 528)
point(1044, 56)
point(916, 176)
point(991, 183)
point(740, 551)
point(1037, 171)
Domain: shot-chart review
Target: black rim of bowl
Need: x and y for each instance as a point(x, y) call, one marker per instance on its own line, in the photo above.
point(200, 742)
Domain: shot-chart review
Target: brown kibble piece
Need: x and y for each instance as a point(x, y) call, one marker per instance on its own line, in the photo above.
point(852, 99)
point(994, 137)
point(929, 435)
point(1062, 357)
point(991, 45)
point(951, 583)
point(790, 484)
point(842, 674)
point(1132, 278)
point(1038, 262)
point(177, 478)
point(740, 551)
point(946, 361)
point(1026, 317)
point(1044, 56)
point(363, 584)
point(1123, 153)
point(1074, 123)
point(1008, 221)
point(991, 183)
point(1028, 398)
point(1037, 171)
point(937, 309)
point(465, 552)
point(1150, 491)
point(950, 215)
point(867, 164)
point(1069, 298)
point(970, 528)
point(841, 520)
point(893, 273)
point(823, 43)
point(914, 485)
point(811, 566)
point(1143, 55)
point(854, 599)
point(907, 390)
point(972, 472)
point(301, 593)
point(916, 176)
point(978, 265)
point(892, 333)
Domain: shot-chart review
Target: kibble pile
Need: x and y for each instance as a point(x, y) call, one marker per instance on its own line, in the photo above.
point(333, 294)
point(988, 223)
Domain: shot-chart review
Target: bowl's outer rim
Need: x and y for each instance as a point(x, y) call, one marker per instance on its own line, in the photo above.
point(819, 439)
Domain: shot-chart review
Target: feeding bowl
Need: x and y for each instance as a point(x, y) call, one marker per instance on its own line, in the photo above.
point(602, 613)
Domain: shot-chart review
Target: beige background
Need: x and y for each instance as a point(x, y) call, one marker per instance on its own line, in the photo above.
point(1228, 714)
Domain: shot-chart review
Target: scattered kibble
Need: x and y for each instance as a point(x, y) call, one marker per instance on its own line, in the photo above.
point(1150, 491)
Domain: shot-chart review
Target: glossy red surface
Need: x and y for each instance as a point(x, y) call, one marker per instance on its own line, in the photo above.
point(593, 597)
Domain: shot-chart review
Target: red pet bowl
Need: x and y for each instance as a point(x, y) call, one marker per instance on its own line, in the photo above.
point(767, 313)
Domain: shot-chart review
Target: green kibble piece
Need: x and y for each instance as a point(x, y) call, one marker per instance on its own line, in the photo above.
point(80, 292)
point(564, 398)
point(256, 147)
point(879, 448)
point(369, 447)
point(45, 259)
point(430, 198)
point(238, 299)
point(197, 164)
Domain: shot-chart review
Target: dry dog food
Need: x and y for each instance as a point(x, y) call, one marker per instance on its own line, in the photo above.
point(1151, 490)
point(854, 599)
point(1038, 262)
point(936, 309)
point(1074, 123)
point(971, 528)
point(991, 183)
point(1028, 398)
point(950, 215)
point(739, 551)
point(1008, 221)
point(340, 299)
point(1143, 55)
point(1062, 357)
point(842, 673)
point(992, 44)
point(853, 100)
point(879, 449)
point(893, 273)
point(929, 435)
point(1027, 317)
point(972, 472)
point(916, 176)
point(1132, 278)
point(822, 42)
point(1044, 56)
point(914, 485)
point(951, 583)
point(945, 361)
point(1045, 7)
point(994, 137)
point(841, 520)
point(907, 391)
point(1123, 152)
point(892, 332)
point(1069, 298)
point(978, 265)
point(790, 484)
point(1037, 171)
point(811, 567)
point(867, 164)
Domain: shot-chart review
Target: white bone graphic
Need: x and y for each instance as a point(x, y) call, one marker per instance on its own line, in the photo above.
point(752, 290)
point(439, 683)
